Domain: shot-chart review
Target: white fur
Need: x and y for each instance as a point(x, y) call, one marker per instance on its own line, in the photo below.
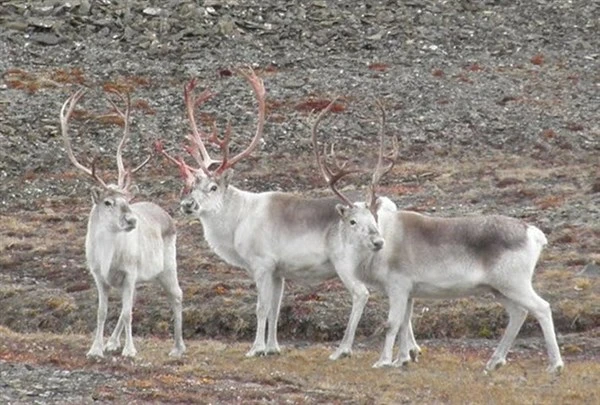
point(254, 231)
point(121, 257)
point(417, 263)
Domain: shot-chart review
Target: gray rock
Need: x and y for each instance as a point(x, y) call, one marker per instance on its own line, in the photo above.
point(590, 270)
point(46, 38)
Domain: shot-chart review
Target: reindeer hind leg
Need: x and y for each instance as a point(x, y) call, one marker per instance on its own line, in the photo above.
point(170, 283)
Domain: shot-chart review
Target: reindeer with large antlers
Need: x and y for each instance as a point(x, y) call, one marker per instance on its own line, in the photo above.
point(432, 257)
point(126, 242)
point(273, 235)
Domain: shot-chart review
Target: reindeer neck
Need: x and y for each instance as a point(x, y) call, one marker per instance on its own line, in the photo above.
point(220, 226)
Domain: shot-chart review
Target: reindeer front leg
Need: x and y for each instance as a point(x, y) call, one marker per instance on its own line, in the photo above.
point(360, 296)
point(272, 344)
point(398, 305)
point(97, 349)
point(265, 287)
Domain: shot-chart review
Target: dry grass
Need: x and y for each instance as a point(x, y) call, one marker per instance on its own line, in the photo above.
point(44, 286)
point(444, 375)
point(47, 245)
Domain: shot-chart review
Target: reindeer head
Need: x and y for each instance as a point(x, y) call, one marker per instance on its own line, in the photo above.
point(113, 207)
point(206, 185)
point(358, 220)
point(111, 201)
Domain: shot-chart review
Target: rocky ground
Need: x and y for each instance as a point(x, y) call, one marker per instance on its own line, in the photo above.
point(495, 103)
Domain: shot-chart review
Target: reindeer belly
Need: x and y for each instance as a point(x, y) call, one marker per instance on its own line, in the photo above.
point(313, 273)
point(423, 290)
point(106, 272)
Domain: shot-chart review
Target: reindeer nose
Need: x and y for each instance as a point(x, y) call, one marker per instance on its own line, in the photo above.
point(188, 206)
point(377, 244)
point(130, 223)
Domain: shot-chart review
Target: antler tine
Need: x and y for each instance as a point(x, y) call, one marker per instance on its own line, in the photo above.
point(65, 114)
point(187, 172)
point(191, 102)
point(330, 177)
point(380, 169)
point(141, 165)
point(123, 175)
point(258, 87)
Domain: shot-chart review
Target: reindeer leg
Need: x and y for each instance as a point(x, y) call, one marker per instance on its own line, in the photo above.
point(264, 285)
point(114, 342)
point(127, 293)
point(525, 296)
point(516, 317)
point(168, 280)
point(360, 296)
point(97, 349)
point(414, 349)
point(409, 349)
point(398, 305)
point(272, 345)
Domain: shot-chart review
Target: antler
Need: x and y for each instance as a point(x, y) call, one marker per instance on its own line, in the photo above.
point(187, 172)
point(65, 115)
point(198, 149)
point(330, 176)
point(380, 169)
point(124, 176)
point(259, 91)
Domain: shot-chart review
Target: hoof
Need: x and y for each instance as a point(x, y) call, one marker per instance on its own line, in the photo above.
point(256, 353)
point(112, 347)
point(95, 354)
point(177, 352)
point(401, 362)
point(131, 353)
point(340, 354)
point(493, 365)
point(414, 354)
point(557, 368)
point(383, 363)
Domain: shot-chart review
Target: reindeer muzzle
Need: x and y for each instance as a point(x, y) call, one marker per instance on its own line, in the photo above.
point(377, 244)
point(189, 206)
point(128, 222)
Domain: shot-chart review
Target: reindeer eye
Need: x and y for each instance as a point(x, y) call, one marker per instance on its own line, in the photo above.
point(352, 222)
point(107, 203)
point(213, 188)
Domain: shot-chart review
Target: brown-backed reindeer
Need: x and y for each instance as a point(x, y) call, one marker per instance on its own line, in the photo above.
point(126, 242)
point(410, 350)
point(440, 258)
point(273, 235)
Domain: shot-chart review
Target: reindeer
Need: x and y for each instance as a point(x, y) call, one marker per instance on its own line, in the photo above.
point(126, 242)
point(273, 235)
point(440, 258)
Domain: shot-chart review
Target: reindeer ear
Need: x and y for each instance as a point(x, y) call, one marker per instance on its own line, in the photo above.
point(226, 177)
point(96, 194)
point(342, 210)
point(378, 204)
point(133, 192)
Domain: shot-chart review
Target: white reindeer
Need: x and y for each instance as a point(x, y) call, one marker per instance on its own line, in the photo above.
point(125, 243)
point(430, 257)
point(274, 235)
